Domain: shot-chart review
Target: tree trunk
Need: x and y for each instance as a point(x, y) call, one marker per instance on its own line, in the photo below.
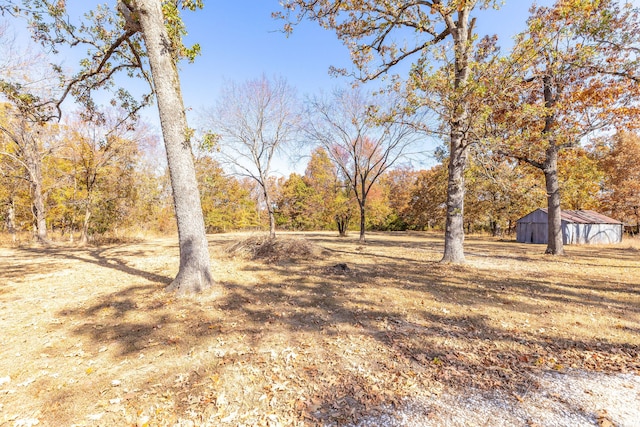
point(39, 212)
point(26, 143)
point(343, 223)
point(272, 215)
point(11, 219)
point(454, 230)
point(194, 274)
point(554, 243)
point(84, 235)
point(34, 169)
point(362, 222)
point(550, 169)
point(362, 203)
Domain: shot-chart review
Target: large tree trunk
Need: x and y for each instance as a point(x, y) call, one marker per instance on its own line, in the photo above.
point(454, 231)
point(454, 228)
point(554, 243)
point(84, 234)
point(272, 214)
point(550, 169)
point(39, 212)
point(194, 274)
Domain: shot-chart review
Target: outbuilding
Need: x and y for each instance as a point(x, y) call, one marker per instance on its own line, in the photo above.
point(578, 227)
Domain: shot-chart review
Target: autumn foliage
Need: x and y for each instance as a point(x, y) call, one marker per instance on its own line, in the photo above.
point(552, 122)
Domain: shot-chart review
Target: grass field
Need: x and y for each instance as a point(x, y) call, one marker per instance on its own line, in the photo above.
point(90, 338)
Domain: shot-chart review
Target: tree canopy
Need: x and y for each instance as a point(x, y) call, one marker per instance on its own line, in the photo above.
point(561, 104)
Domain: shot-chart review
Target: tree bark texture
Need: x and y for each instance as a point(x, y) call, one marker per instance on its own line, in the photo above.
point(555, 245)
point(454, 228)
point(38, 206)
point(362, 220)
point(272, 215)
point(194, 274)
point(84, 234)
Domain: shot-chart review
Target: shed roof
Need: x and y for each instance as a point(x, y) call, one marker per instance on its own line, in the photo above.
point(585, 217)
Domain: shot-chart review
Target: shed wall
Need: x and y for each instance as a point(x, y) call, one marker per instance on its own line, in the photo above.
point(532, 232)
point(592, 233)
point(572, 233)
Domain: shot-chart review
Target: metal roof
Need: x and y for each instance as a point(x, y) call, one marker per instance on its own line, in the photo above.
point(585, 217)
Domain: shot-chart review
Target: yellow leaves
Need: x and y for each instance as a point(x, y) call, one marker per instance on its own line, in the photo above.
point(573, 6)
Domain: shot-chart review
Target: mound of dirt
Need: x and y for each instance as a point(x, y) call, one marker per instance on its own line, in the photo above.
point(278, 249)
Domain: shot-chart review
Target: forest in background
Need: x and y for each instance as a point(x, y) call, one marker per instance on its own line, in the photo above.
point(95, 182)
point(550, 123)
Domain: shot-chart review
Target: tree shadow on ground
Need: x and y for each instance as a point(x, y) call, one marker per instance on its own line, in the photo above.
point(456, 351)
point(97, 256)
point(363, 338)
point(24, 262)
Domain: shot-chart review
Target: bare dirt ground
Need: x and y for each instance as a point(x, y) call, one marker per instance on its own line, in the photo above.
point(318, 330)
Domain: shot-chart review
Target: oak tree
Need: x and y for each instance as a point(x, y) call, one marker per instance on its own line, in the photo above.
point(102, 155)
point(321, 176)
point(381, 35)
point(27, 144)
point(294, 202)
point(578, 64)
point(25, 80)
point(227, 204)
point(621, 192)
point(142, 38)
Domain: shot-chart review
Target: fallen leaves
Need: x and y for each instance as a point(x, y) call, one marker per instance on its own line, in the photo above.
point(603, 419)
point(291, 344)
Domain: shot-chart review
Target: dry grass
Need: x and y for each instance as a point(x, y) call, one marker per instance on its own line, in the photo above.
point(90, 338)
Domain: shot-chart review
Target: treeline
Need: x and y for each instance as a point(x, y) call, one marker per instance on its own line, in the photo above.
point(499, 191)
point(83, 179)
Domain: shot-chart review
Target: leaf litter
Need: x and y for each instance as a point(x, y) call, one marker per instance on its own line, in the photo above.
point(339, 333)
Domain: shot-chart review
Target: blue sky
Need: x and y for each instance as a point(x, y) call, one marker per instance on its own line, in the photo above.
point(240, 41)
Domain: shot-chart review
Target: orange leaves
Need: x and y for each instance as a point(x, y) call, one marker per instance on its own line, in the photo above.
point(620, 156)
